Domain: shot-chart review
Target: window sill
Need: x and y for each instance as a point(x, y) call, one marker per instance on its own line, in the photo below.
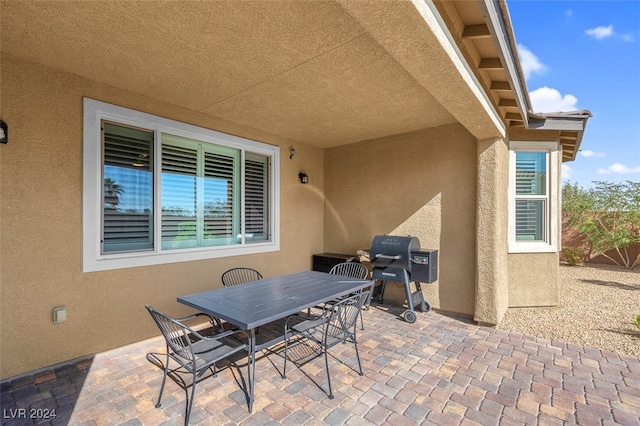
point(132, 260)
point(532, 248)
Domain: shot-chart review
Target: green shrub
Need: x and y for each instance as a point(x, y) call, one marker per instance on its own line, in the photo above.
point(637, 323)
point(607, 216)
point(573, 255)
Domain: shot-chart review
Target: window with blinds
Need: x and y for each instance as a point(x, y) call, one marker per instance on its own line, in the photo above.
point(534, 197)
point(158, 191)
point(200, 192)
point(256, 197)
point(221, 201)
point(127, 198)
point(531, 196)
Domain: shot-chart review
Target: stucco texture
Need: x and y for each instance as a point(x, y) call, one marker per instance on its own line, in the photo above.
point(533, 279)
point(41, 226)
point(420, 183)
point(247, 62)
point(492, 283)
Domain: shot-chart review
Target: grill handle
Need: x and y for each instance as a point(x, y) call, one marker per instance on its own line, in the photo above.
point(386, 256)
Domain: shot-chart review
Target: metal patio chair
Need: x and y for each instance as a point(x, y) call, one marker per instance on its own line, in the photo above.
point(242, 275)
point(237, 276)
point(194, 353)
point(350, 269)
point(336, 325)
point(354, 270)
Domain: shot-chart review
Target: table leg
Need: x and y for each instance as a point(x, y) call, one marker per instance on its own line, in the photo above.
point(252, 361)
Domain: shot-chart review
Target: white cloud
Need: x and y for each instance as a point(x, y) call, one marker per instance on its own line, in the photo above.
point(568, 13)
point(566, 172)
point(546, 99)
point(618, 169)
point(588, 153)
point(530, 62)
point(600, 32)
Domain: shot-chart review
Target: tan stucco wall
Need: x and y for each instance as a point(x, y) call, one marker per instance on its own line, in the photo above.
point(422, 184)
point(533, 279)
point(41, 226)
point(492, 296)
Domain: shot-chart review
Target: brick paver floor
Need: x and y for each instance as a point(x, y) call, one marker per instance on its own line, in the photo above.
point(437, 371)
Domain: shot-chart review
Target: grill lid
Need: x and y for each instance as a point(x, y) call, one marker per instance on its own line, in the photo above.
point(393, 251)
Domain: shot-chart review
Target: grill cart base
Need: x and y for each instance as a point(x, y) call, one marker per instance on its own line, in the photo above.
point(414, 299)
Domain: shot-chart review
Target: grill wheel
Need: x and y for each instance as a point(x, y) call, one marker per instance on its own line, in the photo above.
point(410, 317)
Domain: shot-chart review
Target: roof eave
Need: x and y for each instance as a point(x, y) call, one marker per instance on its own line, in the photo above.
point(501, 29)
point(570, 125)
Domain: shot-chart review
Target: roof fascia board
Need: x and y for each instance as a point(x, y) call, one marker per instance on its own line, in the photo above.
point(551, 123)
point(502, 33)
point(577, 124)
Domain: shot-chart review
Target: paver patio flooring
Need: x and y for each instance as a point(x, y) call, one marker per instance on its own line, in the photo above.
point(439, 371)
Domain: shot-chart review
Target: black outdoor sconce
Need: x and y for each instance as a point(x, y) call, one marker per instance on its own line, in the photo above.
point(4, 132)
point(304, 178)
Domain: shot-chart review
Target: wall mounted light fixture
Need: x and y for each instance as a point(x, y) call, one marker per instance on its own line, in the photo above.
point(4, 132)
point(304, 178)
point(292, 153)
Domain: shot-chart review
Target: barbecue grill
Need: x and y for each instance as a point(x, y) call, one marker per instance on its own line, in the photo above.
point(400, 259)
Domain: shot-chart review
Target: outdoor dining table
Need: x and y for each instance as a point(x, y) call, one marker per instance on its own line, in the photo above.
point(251, 305)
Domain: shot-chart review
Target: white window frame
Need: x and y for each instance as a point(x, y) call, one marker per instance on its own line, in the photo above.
point(92, 206)
point(550, 245)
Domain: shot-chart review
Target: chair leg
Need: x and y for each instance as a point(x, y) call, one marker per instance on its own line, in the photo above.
point(286, 346)
point(190, 401)
point(164, 379)
point(361, 321)
point(326, 364)
point(355, 342)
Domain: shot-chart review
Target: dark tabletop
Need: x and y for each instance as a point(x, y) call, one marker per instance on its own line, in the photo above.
point(257, 303)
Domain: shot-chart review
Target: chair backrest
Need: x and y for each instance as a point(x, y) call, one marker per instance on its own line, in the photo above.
point(175, 333)
point(344, 315)
point(237, 276)
point(350, 269)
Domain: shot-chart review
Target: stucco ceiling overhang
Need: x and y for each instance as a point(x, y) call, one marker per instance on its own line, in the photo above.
point(325, 73)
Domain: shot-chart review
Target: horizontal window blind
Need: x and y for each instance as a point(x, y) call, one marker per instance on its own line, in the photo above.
point(531, 200)
point(179, 173)
point(200, 193)
point(221, 216)
point(256, 197)
point(531, 173)
point(530, 220)
point(127, 218)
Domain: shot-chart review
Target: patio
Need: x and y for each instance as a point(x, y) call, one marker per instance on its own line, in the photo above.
point(416, 109)
point(439, 370)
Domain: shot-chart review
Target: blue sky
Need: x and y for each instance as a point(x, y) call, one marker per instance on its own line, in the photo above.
point(586, 55)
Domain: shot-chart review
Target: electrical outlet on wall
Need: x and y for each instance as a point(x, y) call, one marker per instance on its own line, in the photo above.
point(59, 314)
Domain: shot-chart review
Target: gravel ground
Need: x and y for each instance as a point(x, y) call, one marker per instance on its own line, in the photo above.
point(598, 305)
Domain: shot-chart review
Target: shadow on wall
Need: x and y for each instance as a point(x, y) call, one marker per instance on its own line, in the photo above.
point(422, 184)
